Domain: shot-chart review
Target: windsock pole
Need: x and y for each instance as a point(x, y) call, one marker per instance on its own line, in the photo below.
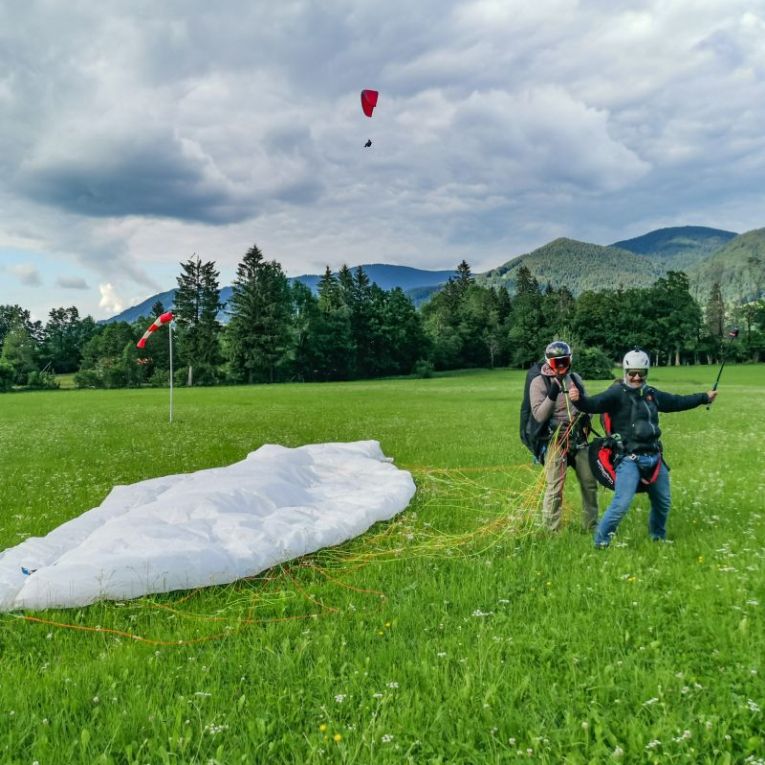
point(170, 335)
point(165, 318)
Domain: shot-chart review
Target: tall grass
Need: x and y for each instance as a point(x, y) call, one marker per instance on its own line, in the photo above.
point(456, 633)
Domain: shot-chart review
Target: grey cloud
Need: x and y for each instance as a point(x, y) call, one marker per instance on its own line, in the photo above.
point(27, 275)
point(72, 283)
point(152, 178)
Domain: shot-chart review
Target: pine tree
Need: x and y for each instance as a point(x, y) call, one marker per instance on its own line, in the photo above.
point(402, 337)
point(526, 335)
point(197, 304)
point(305, 316)
point(333, 336)
point(464, 276)
point(259, 331)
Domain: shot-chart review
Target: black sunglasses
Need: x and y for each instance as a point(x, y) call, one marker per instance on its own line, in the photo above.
point(641, 373)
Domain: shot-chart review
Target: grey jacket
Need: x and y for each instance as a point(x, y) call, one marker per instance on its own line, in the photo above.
point(558, 412)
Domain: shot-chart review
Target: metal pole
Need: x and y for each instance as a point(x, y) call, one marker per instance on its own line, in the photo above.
point(170, 330)
point(732, 335)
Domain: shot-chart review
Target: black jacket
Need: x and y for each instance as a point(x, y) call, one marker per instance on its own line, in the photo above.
point(634, 413)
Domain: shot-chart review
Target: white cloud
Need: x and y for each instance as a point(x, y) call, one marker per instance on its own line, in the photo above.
point(110, 301)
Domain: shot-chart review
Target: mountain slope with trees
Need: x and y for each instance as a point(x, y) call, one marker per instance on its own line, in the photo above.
point(577, 266)
point(679, 247)
point(738, 267)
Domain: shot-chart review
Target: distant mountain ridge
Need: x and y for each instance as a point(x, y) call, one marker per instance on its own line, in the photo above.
point(707, 255)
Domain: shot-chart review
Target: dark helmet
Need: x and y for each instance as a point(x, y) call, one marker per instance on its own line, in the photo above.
point(558, 355)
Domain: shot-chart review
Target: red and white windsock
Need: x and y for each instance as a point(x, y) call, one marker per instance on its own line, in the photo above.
point(165, 318)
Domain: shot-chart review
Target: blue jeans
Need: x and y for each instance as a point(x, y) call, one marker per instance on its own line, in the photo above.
point(627, 478)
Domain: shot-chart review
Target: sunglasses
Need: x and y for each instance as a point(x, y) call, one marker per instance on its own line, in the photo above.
point(641, 373)
point(561, 362)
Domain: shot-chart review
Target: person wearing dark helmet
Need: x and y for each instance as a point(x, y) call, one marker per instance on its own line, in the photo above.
point(567, 436)
point(634, 407)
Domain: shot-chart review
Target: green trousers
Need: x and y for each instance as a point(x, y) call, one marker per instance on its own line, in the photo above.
point(555, 475)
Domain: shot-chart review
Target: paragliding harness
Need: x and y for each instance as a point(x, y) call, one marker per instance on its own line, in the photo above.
point(606, 452)
point(536, 435)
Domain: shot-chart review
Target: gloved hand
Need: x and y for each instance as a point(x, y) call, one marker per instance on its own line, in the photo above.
point(555, 389)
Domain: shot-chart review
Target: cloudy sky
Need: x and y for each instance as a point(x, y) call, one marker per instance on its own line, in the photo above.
point(136, 134)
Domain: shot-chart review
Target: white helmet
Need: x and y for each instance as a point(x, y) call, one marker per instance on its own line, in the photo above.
point(636, 359)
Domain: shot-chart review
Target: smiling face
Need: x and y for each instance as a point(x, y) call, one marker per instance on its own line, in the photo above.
point(635, 377)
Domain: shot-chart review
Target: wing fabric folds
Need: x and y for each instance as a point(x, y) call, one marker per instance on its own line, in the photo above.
point(205, 528)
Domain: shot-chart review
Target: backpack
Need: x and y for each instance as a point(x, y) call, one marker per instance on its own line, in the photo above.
point(534, 435)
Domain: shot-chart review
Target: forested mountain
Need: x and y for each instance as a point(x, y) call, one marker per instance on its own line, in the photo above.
point(579, 266)
point(738, 267)
point(416, 282)
point(680, 247)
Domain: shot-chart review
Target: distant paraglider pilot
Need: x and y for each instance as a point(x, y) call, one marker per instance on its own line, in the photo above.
point(368, 143)
point(633, 409)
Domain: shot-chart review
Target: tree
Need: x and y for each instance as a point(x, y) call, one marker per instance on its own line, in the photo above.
point(305, 316)
point(333, 339)
point(674, 314)
point(64, 338)
point(197, 303)
point(12, 316)
point(259, 330)
point(398, 335)
point(106, 361)
point(526, 333)
point(715, 312)
point(20, 352)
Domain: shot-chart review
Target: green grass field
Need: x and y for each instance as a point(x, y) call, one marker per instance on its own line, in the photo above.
point(456, 634)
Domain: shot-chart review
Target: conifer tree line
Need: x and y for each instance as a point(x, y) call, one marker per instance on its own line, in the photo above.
point(353, 329)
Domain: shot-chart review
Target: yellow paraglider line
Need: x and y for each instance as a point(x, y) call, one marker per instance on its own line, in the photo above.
point(455, 490)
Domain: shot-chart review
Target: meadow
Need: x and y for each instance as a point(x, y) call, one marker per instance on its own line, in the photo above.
point(458, 633)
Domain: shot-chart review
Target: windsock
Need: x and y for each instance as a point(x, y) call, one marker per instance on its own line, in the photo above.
point(155, 325)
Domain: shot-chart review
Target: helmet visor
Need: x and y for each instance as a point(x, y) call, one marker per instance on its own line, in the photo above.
point(559, 363)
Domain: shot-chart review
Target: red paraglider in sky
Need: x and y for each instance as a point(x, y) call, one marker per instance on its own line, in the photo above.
point(368, 101)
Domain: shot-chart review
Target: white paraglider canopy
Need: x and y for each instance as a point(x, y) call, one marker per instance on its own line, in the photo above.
point(205, 528)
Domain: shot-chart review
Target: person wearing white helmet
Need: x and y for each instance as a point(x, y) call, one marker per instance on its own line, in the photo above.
point(563, 431)
point(634, 407)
